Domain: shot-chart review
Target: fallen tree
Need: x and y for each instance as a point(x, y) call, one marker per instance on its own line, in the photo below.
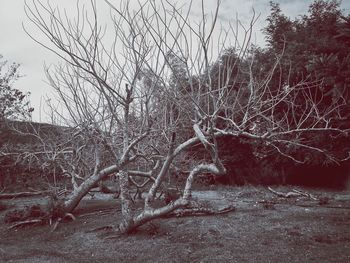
point(162, 86)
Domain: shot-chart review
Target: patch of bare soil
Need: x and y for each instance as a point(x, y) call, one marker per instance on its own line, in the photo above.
point(263, 228)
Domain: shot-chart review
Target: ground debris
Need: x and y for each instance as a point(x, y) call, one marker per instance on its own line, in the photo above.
point(101, 228)
point(319, 235)
point(24, 223)
point(21, 194)
point(201, 211)
point(293, 193)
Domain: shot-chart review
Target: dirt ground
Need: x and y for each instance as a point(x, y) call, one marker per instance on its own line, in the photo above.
point(263, 228)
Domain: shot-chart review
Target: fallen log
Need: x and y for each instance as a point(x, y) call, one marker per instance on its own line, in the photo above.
point(305, 194)
point(293, 193)
point(200, 211)
point(22, 194)
point(285, 195)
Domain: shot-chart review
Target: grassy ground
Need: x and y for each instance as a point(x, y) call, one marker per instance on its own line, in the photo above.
point(264, 228)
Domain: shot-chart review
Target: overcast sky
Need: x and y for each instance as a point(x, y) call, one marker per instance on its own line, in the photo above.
point(16, 46)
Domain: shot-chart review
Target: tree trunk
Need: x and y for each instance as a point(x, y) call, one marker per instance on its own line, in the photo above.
point(127, 223)
point(85, 187)
point(150, 214)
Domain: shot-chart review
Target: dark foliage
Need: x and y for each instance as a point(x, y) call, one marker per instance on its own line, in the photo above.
point(13, 102)
point(315, 49)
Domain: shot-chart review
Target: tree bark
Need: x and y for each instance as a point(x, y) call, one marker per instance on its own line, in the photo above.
point(85, 187)
point(150, 214)
point(127, 218)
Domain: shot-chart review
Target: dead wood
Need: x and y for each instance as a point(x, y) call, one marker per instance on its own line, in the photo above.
point(21, 194)
point(27, 222)
point(285, 195)
point(201, 211)
point(55, 225)
point(293, 193)
point(70, 215)
point(305, 194)
point(321, 206)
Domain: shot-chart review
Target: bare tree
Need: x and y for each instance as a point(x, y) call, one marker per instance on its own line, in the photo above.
point(161, 86)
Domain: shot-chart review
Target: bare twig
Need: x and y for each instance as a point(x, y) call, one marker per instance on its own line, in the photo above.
point(24, 223)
